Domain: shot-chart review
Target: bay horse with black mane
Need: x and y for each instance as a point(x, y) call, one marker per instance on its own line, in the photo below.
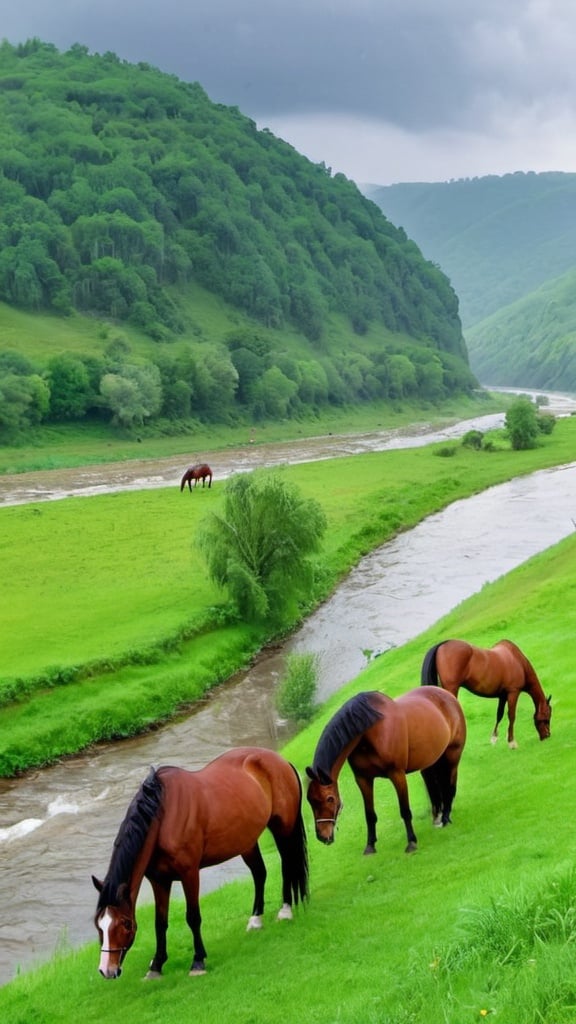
point(423, 730)
point(196, 473)
point(181, 821)
point(501, 671)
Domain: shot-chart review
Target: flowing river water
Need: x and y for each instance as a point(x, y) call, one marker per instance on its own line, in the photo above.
point(57, 825)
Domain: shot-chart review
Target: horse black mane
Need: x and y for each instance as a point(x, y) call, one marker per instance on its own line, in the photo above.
point(131, 835)
point(353, 718)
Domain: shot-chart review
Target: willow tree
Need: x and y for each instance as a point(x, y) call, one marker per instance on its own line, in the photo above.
point(259, 548)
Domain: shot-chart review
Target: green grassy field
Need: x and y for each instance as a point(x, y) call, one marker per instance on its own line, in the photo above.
point(109, 621)
point(480, 922)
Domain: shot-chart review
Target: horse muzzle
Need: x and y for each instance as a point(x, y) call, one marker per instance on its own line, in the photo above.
point(111, 967)
point(326, 834)
point(110, 973)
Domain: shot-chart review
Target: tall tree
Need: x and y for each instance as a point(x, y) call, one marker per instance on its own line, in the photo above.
point(260, 547)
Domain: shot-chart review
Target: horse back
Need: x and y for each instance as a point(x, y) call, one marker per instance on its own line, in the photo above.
point(435, 725)
point(208, 816)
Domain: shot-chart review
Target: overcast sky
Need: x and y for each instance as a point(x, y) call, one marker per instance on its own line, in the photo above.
point(382, 90)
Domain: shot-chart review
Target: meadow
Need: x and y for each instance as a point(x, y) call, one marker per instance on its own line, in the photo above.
point(110, 623)
point(479, 923)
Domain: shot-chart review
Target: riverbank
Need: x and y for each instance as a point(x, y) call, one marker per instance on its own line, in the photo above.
point(90, 444)
point(367, 499)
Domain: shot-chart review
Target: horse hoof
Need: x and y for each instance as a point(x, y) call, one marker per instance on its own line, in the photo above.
point(513, 745)
point(152, 976)
point(411, 848)
point(369, 850)
point(285, 913)
point(493, 740)
point(196, 970)
point(254, 923)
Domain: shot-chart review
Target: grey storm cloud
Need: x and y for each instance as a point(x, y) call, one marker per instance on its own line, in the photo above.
point(411, 62)
point(416, 66)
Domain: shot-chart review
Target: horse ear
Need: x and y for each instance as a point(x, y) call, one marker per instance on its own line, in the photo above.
point(97, 883)
point(549, 699)
point(311, 774)
point(324, 777)
point(123, 894)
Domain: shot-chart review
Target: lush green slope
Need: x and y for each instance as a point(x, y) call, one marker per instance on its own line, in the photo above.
point(126, 191)
point(478, 924)
point(538, 334)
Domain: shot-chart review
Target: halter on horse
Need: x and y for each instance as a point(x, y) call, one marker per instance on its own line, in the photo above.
point(385, 738)
point(180, 822)
point(501, 671)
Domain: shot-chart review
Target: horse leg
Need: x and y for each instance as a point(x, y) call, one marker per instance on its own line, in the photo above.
point(191, 887)
point(512, 702)
point(285, 849)
point(253, 860)
point(400, 783)
point(366, 787)
point(447, 774)
point(433, 785)
point(161, 890)
point(499, 717)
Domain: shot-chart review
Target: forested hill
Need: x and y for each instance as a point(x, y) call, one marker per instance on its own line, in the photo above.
point(126, 194)
point(508, 245)
point(497, 238)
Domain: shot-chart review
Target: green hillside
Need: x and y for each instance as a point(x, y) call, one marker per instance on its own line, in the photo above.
point(508, 245)
point(538, 334)
point(217, 271)
point(497, 238)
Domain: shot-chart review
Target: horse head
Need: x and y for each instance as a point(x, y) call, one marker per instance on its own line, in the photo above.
point(116, 926)
point(324, 799)
point(542, 718)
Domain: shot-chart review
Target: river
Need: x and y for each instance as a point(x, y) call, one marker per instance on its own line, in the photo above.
point(57, 825)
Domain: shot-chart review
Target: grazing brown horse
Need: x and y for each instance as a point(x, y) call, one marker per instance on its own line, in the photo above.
point(500, 671)
point(182, 821)
point(196, 473)
point(423, 730)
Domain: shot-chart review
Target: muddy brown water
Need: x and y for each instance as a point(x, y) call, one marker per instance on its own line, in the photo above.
point(57, 825)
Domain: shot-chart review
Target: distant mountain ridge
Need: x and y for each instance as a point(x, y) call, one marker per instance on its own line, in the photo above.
point(500, 240)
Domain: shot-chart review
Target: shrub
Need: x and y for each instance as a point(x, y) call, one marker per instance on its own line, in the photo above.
point(296, 694)
point(522, 424)
point(473, 439)
point(546, 423)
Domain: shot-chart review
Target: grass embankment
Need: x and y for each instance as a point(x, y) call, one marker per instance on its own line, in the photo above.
point(479, 923)
point(109, 623)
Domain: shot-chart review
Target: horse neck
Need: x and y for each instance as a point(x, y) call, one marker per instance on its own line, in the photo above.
point(532, 686)
point(335, 768)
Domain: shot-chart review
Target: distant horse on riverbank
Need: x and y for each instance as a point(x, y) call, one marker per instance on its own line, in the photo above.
point(196, 473)
point(182, 821)
point(423, 730)
point(501, 671)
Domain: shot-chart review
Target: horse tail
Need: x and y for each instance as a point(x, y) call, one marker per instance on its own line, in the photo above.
point(429, 673)
point(294, 854)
